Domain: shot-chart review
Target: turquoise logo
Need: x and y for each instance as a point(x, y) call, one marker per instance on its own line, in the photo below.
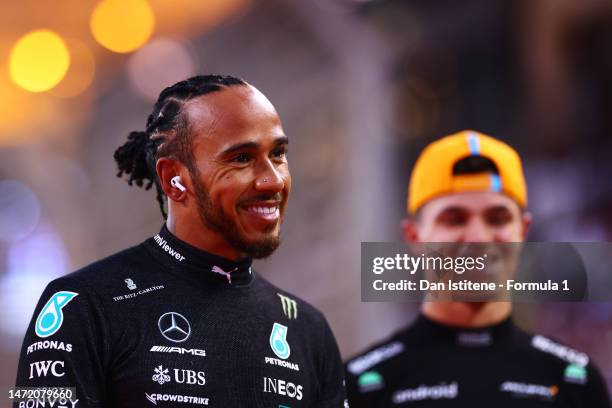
point(278, 341)
point(50, 318)
point(575, 373)
point(370, 381)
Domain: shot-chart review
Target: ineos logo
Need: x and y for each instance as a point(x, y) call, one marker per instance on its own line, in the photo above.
point(174, 327)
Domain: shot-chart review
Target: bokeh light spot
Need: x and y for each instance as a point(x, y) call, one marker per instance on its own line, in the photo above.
point(122, 25)
point(159, 64)
point(30, 264)
point(81, 72)
point(19, 211)
point(39, 61)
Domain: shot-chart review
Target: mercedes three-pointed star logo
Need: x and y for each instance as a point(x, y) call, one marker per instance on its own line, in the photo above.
point(174, 327)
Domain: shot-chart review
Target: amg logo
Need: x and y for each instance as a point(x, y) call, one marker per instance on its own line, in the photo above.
point(179, 350)
point(164, 245)
point(289, 306)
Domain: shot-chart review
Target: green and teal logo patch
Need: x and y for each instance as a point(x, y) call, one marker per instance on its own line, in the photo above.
point(289, 306)
point(278, 341)
point(51, 317)
point(576, 374)
point(370, 381)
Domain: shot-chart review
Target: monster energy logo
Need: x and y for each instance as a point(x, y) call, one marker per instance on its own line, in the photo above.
point(289, 306)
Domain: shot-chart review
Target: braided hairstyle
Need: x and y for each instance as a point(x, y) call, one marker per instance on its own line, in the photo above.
point(167, 133)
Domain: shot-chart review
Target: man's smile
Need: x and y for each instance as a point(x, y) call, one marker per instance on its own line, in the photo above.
point(267, 211)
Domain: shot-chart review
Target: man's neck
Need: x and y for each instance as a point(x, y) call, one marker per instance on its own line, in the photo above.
point(464, 314)
point(203, 239)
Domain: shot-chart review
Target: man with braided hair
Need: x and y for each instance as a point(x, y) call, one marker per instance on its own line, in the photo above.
point(182, 319)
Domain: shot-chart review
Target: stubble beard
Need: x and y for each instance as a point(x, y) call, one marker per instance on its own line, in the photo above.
point(216, 219)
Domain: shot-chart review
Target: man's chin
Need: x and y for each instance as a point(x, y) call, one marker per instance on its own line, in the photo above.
point(262, 248)
point(259, 246)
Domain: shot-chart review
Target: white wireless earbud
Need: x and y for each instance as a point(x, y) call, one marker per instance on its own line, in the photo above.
point(176, 182)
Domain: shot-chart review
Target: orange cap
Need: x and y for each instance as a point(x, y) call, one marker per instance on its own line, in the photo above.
point(432, 175)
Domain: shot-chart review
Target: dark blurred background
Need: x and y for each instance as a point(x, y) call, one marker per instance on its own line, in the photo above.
point(361, 87)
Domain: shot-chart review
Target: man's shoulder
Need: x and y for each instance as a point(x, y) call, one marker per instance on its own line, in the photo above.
point(292, 306)
point(548, 349)
point(379, 354)
point(128, 259)
point(94, 276)
point(575, 366)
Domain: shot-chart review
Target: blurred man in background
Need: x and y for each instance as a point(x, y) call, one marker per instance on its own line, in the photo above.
point(469, 187)
point(182, 319)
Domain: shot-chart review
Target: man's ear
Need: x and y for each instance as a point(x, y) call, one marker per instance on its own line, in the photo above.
point(526, 223)
point(166, 169)
point(410, 229)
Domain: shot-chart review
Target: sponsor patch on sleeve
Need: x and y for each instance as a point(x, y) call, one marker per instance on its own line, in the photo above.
point(51, 317)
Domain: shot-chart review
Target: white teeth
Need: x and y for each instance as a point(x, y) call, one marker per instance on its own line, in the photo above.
point(263, 210)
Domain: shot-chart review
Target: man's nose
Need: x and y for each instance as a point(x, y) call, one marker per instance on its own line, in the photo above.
point(269, 179)
point(477, 231)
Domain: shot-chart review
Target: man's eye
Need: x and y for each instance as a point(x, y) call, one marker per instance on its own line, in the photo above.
point(280, 152)
point(452, 220)
point(241, 158)
point(499, 219)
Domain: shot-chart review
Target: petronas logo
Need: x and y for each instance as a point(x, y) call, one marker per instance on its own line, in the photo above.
point(278, 341)
point(51, 317)
point(289, 306)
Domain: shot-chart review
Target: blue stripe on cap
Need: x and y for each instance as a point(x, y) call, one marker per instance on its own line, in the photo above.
point(496, 183)
point(473, 143)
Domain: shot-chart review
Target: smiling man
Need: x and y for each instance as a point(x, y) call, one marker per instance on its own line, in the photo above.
point(182, 319)
point(469, 188)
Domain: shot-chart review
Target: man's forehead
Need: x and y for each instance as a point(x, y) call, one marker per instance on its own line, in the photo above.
point(477, 201)
point(231, 115)
point(229, 103)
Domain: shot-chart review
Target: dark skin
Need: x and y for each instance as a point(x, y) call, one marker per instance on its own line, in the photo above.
point(240, 152)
